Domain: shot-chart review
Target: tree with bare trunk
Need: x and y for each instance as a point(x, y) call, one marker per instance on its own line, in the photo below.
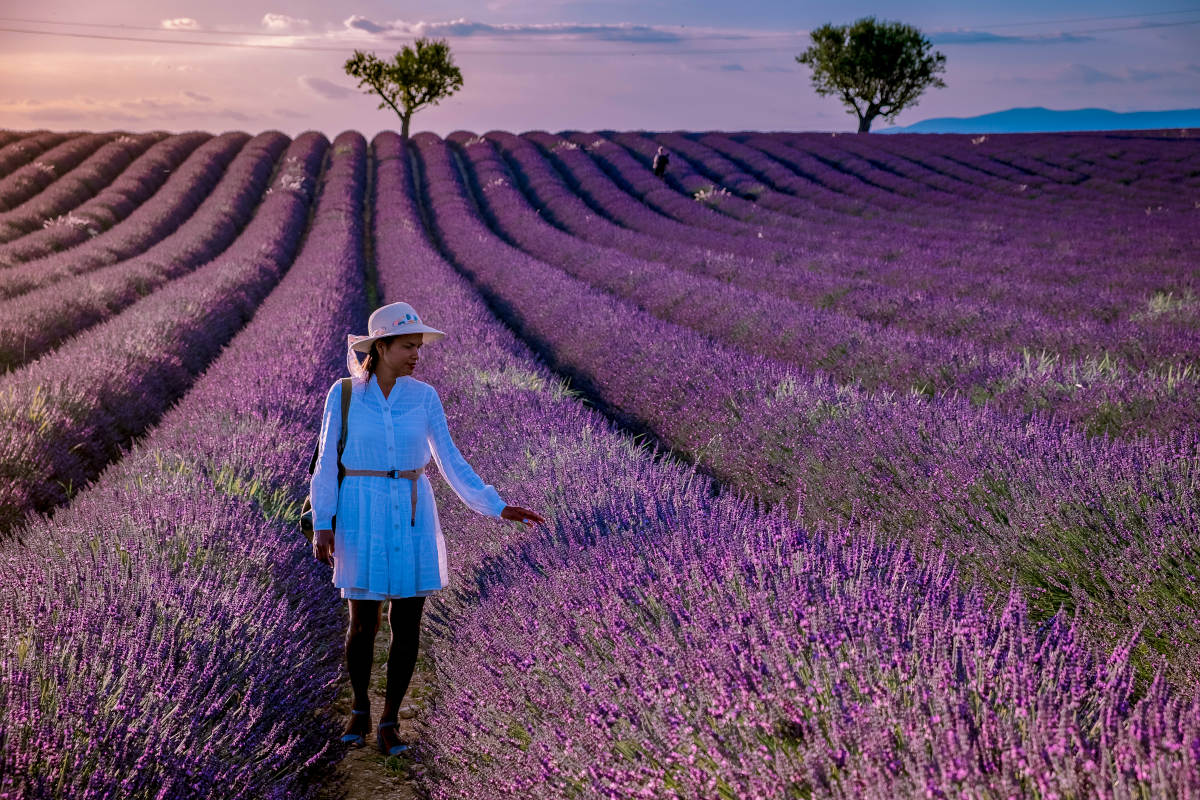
point(420, 75)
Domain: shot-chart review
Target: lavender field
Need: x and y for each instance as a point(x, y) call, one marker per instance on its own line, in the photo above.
point(871, 463)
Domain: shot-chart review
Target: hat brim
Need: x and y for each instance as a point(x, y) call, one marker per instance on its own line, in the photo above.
point(362, 344)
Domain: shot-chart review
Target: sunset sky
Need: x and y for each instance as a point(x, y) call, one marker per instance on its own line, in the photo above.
point(559, 64)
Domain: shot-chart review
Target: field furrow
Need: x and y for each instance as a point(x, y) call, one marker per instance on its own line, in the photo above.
point(210, 633)
point(39, 320)
point(781, 434)
point(666, 618)
point(115, 202)
point(77, 186)
point(994, 311)
point(17, 154)
point(28, 181)
point(68, 414)
point(849, 350)
point(150, 217)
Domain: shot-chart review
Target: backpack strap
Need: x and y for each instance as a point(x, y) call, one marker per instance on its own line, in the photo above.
point(341, 446)
point(345, 421)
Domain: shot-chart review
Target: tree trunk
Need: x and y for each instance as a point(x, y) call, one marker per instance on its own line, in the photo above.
point(864, 124)
point(404, 118)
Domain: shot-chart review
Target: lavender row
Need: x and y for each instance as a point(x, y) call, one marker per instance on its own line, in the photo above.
point(738, 199)
point(878, 156)
point(972, 479)
point(1141, 334)
point(17, 154)
point(1068, 191)
point(816, 339)
point(68, 414)
point(656, 210)
point(907, 261)
point(115, 202)
point(820, 156)
point(26, 182)
point(128, 224)
point(906, 303)
point(77, 186)
point(8, 137)
point(210, 632)
point(1097, 239)
point(37, 321)
point(1146, 171)
point(664, 642)
point(638, 180)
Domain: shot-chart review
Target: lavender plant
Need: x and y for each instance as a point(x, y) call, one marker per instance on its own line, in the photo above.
point(31, 179)
point(20, 152)
point(704, 647)
point(68, 414)
point(115, 202)
point(76, 186)
point(193, 650)
point(839, 454)
point(174, 201)
point(38, 320)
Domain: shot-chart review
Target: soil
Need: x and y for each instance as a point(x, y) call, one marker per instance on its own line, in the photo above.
point(365, 773)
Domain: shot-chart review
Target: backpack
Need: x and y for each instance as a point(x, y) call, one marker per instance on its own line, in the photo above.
point(306, 511)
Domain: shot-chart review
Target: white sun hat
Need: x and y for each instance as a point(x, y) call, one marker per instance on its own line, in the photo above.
point(394, 319)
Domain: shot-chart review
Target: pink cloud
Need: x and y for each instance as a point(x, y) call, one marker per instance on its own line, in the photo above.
point(282, 22)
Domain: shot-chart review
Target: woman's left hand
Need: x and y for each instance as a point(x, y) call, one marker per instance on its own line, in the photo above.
point(518, 514)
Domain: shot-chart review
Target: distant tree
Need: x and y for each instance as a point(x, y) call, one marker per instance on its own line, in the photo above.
point(420, 75)
point(876, 68)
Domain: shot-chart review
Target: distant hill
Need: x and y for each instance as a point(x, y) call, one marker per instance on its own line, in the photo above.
point(1037, 119)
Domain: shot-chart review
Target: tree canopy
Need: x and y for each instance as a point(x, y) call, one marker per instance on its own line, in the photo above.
point(420, 75)
point(876, 68)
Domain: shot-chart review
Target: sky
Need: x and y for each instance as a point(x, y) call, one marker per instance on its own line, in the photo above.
point(555, 65)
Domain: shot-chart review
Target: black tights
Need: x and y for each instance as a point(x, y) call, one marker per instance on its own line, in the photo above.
point(404, 617)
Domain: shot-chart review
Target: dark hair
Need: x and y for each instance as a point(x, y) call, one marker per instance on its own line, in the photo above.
point(372, 361)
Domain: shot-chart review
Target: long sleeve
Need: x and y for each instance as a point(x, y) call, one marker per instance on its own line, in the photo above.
point(324, 486)
point(466, 484)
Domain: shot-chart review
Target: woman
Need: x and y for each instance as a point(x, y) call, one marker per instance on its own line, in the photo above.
point(387, 543)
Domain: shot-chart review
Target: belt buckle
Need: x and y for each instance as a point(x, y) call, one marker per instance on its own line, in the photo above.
point(393, 473)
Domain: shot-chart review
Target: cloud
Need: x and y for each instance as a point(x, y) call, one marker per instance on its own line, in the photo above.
point(1141, 75)
point(290, 113)
point(731, 68)
point(1082, 73)
point(1091, 76)
point(88, 111)
point(987, 37)
point(282, 22)
point(323, 88)
point(360, 23)
point(621, 32)
point(180, 24)
point(199, 98)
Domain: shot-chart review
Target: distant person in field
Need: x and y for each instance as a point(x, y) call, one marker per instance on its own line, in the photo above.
point(661, 159)
point(387, 543)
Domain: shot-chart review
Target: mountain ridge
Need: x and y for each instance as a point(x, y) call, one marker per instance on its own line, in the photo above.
point(1037, 119)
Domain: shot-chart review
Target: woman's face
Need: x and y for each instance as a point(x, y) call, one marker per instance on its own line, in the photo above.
point(400, 353)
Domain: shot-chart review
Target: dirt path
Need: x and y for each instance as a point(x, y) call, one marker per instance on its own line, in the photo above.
point(365, 773)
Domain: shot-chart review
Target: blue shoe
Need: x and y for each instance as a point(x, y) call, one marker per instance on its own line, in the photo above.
point(349, 737)
point(387, 748)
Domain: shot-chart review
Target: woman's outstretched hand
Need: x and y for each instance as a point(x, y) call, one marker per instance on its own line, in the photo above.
point(518, 514)
point(323, 546)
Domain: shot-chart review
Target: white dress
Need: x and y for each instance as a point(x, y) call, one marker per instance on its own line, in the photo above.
point(378, 553)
